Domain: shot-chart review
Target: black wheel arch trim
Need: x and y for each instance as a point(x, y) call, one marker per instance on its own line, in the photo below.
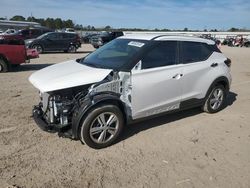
point(38, 44)
point(221, 79)
point(92, 101)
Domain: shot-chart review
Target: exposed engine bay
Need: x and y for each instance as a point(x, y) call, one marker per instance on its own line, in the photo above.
point(57, 107)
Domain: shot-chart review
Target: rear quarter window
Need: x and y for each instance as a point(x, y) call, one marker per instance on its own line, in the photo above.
point(194, 52)
point(68, 35)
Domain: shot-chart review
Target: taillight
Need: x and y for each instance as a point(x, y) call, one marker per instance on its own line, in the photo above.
point(228, 62)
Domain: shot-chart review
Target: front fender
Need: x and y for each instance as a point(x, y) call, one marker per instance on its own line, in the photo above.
point(89, 103)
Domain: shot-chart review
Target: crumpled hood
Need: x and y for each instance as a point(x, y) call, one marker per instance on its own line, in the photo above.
point(66, 75)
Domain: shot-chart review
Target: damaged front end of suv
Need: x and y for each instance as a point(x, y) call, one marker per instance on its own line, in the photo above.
point(89, 98)
point(62, 110)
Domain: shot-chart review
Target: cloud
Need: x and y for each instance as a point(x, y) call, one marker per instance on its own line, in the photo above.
point(171, 14)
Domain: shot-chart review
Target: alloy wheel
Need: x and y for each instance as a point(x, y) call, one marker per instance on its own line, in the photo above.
point(216, 99)
point(104, 127)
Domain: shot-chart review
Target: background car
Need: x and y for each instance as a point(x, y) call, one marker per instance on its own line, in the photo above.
point(55, 41)
point(86, 38)
point(8, 31)
point(105, 37)
point(27, 33)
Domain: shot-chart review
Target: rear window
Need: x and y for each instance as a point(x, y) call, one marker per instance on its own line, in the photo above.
point(214, 48)
point(25, 32)
point(194, 52)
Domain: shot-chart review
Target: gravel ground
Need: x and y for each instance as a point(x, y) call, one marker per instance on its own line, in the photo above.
point(188, 149)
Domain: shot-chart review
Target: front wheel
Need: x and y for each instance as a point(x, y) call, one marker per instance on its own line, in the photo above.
point(38, 48)
point(215, 100)
point(102, 126)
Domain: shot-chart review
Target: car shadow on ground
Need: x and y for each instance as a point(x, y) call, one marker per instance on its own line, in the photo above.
point(29, 67)
point(135, 128)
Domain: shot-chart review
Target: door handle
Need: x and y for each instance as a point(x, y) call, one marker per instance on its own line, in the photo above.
point(214, 65)
point(177, 76)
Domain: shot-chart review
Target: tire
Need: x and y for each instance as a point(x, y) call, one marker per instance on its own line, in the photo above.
point(38, 47)
point(215, 100)
point(3, 66)
point(72, 49)
point(96, 132)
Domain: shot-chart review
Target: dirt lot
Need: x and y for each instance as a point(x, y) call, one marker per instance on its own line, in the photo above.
point(189, 149)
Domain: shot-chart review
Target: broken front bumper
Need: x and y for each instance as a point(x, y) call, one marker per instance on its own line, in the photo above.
point(37, 113)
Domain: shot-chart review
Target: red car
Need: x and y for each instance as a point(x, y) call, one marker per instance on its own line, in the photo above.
point(14, 53)
point(26, 33)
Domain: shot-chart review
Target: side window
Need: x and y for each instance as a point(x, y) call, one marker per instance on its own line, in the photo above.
point(54, 36)
point(25, 32)
point(35, 32)
point(194, 52)
point(162, 54)
point(68, 35)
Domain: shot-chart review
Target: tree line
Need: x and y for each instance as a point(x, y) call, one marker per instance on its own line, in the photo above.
point(53, 23)
point(58, 23)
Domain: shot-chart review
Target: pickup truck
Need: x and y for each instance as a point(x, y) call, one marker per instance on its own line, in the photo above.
point(13, 53)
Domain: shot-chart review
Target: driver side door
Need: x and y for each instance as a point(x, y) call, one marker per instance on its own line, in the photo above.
point(156, 86)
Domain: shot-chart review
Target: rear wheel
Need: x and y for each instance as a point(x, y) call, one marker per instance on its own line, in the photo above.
point(102, 126)
point(3, 66)
point(38, 48)
point(216, 100)
point(72, 49)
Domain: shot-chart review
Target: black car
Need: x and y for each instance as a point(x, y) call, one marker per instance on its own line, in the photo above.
point(103, 38)
point(55, 41)
point(86, 38)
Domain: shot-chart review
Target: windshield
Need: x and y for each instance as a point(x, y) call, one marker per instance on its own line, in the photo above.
point(115, 54)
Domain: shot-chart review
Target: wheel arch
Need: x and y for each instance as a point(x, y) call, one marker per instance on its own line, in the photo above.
point(222, 80)
point(91, 103)
point(38, 44)
point(5, 59)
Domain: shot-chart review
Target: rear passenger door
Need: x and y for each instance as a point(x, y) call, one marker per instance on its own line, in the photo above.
point(67, 39)
point(156, 85)
point(196, 69)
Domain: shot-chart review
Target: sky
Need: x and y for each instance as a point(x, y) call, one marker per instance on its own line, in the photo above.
point(147, 14)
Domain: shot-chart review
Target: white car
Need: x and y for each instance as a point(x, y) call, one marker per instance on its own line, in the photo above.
point(130, 78)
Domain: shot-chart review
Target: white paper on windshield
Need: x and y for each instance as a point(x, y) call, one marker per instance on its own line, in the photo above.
point(136, 44)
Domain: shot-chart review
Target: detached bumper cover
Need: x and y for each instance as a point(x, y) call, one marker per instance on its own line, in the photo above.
point(65, 131)
point(38, 118)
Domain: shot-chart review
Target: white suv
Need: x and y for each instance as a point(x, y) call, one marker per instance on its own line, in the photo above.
point(130, 78)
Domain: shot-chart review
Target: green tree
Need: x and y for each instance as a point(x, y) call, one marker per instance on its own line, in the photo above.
point(233, 29)
point(18, 18)
point(68, 23)
point(107, 28)
point(58, 23)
